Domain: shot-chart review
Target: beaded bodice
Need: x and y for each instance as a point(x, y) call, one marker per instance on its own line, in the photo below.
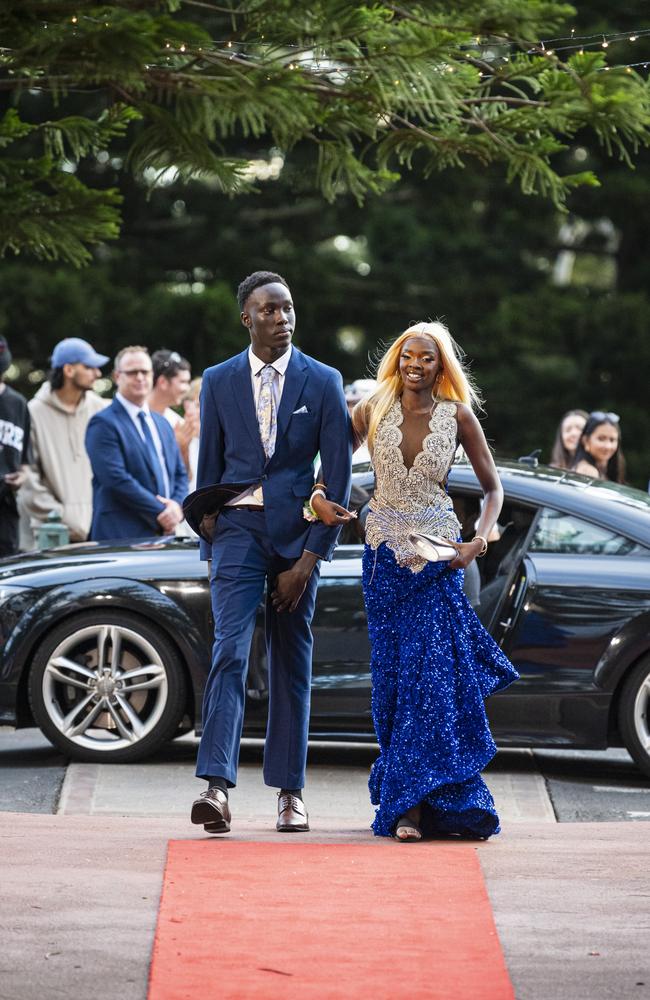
point(412, 499)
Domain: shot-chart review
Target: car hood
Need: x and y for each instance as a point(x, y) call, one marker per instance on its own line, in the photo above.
point(95, 559)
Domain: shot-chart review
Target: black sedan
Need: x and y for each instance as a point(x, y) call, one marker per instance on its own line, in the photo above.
point(107, 647)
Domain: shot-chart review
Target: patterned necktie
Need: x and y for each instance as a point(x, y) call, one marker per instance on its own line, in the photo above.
point(153, 454)
point(266, 413)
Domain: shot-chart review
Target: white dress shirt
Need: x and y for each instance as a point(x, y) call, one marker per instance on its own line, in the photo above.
point(253, 494)
point(133, 412)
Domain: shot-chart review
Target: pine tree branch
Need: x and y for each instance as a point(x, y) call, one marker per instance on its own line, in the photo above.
point(369, 86)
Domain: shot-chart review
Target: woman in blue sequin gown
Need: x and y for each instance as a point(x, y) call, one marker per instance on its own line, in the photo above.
point(432, 663)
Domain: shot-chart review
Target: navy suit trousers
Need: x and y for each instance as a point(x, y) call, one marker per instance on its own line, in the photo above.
point(243, 561)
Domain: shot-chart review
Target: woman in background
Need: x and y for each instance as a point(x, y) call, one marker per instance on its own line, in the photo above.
point(567, 437)
point(599, 451)
point(191, 428)
point(187, 435)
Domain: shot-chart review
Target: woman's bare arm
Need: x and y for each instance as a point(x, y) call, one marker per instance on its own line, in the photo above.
point(360, 421)
point(472, 438)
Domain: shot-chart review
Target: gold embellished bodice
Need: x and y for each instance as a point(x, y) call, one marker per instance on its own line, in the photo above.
point(412, 499)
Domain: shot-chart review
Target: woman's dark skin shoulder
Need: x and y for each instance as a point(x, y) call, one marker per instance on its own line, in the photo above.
point(360, 423)
point(472, 438)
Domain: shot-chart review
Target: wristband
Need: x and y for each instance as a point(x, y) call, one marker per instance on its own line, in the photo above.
point(484, 547)
point(308, 513)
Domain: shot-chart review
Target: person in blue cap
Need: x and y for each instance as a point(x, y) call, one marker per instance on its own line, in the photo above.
point(61, 478)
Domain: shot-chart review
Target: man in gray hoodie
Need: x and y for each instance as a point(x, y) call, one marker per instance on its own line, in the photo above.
point(61, 479)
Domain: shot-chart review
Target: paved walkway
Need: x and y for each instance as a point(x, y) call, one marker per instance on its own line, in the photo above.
point(80, 889)
point(166, 789)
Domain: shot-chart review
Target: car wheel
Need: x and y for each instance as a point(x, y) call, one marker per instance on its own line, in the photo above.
point(107, 687)
point(634, 714)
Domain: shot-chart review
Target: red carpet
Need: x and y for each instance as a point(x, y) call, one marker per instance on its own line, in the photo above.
point(256, 921)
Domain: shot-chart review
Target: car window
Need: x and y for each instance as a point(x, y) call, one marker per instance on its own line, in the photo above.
point(559, 532)
point(487, 579)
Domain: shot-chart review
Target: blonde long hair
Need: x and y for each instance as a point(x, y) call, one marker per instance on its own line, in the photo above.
point(453, 384)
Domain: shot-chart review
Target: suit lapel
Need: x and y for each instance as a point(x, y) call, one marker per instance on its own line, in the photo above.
point(132, 432)
point(243, 393)
point(294, 380)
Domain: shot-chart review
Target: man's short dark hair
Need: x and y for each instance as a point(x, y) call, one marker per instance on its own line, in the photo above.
point(256, 280)
point(168, 363)
point(56, 378)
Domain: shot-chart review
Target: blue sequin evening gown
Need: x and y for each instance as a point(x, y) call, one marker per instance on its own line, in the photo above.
point(432, 663)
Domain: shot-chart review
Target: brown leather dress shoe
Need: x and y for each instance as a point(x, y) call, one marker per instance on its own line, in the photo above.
point(212, 810)
point(292, 815)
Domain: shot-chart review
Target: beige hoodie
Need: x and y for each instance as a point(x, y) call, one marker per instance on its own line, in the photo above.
point(61, 477)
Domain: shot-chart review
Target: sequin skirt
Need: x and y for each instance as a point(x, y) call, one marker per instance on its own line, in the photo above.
point(432, 665)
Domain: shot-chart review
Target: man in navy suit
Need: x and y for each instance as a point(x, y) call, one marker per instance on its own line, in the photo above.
point(139, 479)
point(265, 416)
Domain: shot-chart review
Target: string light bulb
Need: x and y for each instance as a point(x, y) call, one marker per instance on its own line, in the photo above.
point(605, 43)
point(633, 38)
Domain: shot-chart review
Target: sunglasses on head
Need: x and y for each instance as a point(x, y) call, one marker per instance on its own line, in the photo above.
point(613, 418)
point(173, 359)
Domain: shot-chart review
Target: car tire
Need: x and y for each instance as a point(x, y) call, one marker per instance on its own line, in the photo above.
point(107, 687)
point(634, 714)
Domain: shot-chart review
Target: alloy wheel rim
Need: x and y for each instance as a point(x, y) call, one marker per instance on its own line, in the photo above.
point(105, 687)
point(642, 714)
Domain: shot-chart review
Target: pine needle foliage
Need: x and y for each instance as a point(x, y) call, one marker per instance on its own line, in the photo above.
point(376, 88)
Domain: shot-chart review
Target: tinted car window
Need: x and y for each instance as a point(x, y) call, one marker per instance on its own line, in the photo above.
point(558, 532)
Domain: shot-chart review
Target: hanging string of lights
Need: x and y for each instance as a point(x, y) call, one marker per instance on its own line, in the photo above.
point(631, 36)
point(549, 46)
point(546, 47)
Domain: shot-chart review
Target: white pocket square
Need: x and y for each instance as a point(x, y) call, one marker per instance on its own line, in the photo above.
point(302, 409)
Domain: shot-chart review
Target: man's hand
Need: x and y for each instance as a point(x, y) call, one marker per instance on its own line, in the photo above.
point(330, 513)
point(290, 584)
point(170, 516)
point(15, 479)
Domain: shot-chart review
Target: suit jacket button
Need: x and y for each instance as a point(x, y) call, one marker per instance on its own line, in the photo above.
point(265, 477)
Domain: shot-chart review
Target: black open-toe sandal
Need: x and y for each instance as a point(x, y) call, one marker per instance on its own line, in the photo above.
point(407, 830)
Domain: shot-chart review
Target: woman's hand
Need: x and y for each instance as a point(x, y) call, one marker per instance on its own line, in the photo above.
point(330, 513)
point(467, 552)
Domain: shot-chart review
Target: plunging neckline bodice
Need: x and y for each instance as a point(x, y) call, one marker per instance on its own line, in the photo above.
point(425, 439)
point(412, 499)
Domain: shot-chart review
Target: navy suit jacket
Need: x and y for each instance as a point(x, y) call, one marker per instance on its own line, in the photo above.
point(312, 418)
point(124, 481)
